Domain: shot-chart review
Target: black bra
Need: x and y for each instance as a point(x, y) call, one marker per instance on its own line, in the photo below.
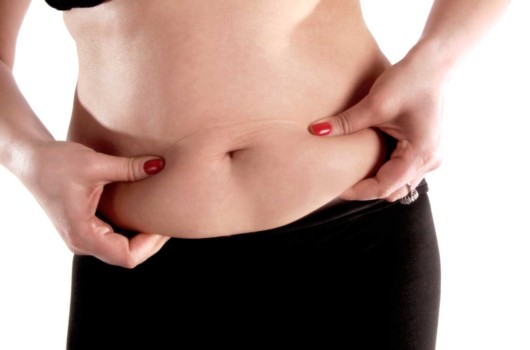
point(69, 4)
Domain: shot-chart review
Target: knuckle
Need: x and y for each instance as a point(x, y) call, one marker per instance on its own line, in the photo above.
point(129, 259)
point(76, 240)
point(74, 244)
point(437, 162)
point(431, 159)
point(130, 262)
point(380, 104)
point(384, 193)
point(92, 167)
point(131, 174)
point(76, 251)
point(343, 123)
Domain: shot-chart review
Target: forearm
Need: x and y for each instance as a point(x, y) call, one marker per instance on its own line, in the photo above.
point(20, 129)
point(454, 27)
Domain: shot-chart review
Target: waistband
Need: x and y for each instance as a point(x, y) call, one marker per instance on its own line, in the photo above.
point(350, 209)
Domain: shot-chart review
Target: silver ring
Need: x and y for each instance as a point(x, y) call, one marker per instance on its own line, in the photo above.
point(411, 197)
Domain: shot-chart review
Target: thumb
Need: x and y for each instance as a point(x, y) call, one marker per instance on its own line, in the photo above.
point(118, 169)
point(356, 118)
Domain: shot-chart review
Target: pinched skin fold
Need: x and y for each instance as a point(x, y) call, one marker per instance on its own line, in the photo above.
point(225, 93)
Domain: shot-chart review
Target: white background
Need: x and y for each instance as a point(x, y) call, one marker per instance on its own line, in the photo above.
point(479, 195)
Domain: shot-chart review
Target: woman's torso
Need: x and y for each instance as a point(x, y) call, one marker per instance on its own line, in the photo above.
point(224, 91)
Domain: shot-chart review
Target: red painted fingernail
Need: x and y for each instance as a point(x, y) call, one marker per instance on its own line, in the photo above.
point(321, 129)
point(154, 166)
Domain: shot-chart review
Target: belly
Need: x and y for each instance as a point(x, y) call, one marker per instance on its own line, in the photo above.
point(225, 94)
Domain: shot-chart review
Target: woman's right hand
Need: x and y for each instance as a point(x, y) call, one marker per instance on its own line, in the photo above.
point(67, 179)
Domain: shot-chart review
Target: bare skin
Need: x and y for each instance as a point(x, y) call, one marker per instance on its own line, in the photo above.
point(225, 92)
point(406, 101)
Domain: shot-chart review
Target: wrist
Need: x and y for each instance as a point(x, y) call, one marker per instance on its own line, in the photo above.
point(436, 55)
point(19, 157)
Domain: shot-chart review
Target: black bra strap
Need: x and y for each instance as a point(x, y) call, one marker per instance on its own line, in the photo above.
point(63, 5)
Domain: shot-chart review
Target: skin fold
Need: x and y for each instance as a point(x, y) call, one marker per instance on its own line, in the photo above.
point(225, 93)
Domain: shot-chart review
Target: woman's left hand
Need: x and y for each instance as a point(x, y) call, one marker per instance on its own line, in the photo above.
point(406, 103)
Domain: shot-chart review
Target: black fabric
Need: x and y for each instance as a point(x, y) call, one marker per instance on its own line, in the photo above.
point(69, 4)
point(364, 275)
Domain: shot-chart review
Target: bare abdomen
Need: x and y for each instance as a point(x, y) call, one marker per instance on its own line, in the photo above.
point(225, 94)
point(213, 186)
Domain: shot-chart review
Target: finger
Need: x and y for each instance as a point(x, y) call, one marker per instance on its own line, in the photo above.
point(360, 116)
point(117, 249)
point(115, 169)
point(390, 178)
point(403, 190)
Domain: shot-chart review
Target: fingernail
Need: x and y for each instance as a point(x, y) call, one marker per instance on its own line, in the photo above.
point(321, 128)
point(154, 166)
